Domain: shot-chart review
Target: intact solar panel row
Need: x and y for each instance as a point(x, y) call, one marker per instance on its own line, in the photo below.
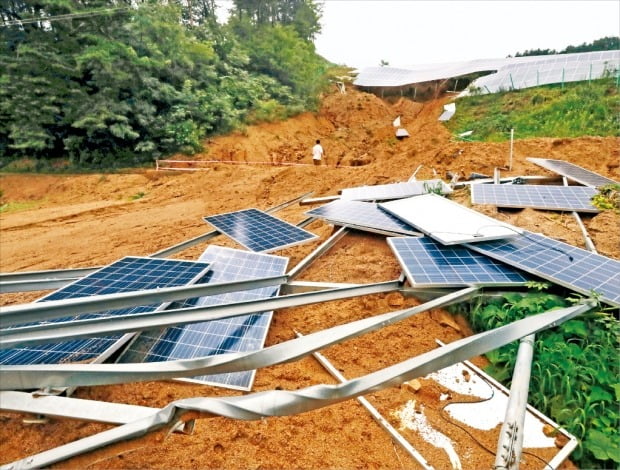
point(573, 172)
point(126, 275)
point(259, 231)
point(430, 264)
point(239, 334)
point(544, 70)
point(382, 192)
point(361, 214)
point(558, 262)
point(564, 198)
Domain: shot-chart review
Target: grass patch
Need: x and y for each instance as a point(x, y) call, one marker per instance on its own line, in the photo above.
point(575, 110)
point(17, 206)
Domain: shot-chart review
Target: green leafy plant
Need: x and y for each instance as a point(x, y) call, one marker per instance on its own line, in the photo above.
point(575, 372)
point(608, 197)
point(436, 188)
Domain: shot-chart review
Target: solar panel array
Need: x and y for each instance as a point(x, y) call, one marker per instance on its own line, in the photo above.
point(557, 68)
point(239, 334)
point(382, 192)
point(446, 221)
point(259, 231)
point(430, 264)
point(558, 262)
point(511, 72)
point(565, 198)
point(572, 171)
point(126, 275)
point(361, 214)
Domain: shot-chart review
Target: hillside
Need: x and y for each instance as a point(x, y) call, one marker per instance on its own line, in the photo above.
point(87, 220)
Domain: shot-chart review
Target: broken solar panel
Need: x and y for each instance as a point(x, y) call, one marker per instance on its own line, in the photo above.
point(448, 111)
point(563, 198)
point(259, 231)
point(430, 264)
point(447, 221)
point(558, 262)
point(126, 275)
point(573, 172)
point(382, 192)
point(239, 334)
point(359, 215)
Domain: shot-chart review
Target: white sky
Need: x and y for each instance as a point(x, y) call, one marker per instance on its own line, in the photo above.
point(361, 33)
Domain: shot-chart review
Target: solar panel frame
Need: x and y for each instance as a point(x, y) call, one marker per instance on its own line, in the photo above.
point(573, 172)
point(566, 265)
point(437, 216)
point(381, 192)
point(217, 336)
point(258, 231)
point(357, 214)
point(562, 198)
point(427, 263)
point(100, 348)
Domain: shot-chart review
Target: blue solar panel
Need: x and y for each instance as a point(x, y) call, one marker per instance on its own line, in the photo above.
point(361, 214)
point(563, 198)
point(126, 275)
point(259, 231)
point(430, 264)
point(563, 264)
point(572, 171)
point(239, 334)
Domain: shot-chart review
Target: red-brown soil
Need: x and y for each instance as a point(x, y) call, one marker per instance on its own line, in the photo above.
point(89, 220)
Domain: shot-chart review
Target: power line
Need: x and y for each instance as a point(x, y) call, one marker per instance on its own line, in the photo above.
point(64, 17)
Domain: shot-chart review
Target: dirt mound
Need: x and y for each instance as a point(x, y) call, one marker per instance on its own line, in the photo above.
point(88, 220)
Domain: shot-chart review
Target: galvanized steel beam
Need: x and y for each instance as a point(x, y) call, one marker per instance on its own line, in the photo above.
point(44, 375)
point(284, 402)
point(40, 311)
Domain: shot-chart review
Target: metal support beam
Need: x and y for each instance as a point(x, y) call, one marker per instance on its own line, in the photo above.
point(47, 275)
point(290, 402)
point(54, 332)
point(298, 287)
point(586, 236)
point(320, 250)
point(318, 200)
point(510, 444)
point(73, 408)
point(47, 375)
point(29, 286)
point(40, 311)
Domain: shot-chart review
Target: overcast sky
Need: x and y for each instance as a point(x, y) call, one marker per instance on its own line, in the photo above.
point(361, 33)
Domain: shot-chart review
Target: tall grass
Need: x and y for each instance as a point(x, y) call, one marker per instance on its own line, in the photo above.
point(574, 110)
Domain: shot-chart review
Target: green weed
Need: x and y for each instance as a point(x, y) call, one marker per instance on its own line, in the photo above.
point(138, 195)
point(574, 374)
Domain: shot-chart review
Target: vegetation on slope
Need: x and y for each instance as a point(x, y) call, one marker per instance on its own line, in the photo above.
point(574, 373)
point(572, 110)
point(129, 85)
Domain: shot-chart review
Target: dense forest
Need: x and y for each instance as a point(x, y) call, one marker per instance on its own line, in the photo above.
point(608, 43)
point(116, 82)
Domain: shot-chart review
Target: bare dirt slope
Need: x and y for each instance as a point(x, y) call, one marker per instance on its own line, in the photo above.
point(88, 220)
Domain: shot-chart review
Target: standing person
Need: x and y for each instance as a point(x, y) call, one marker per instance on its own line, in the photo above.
point(317, 153)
